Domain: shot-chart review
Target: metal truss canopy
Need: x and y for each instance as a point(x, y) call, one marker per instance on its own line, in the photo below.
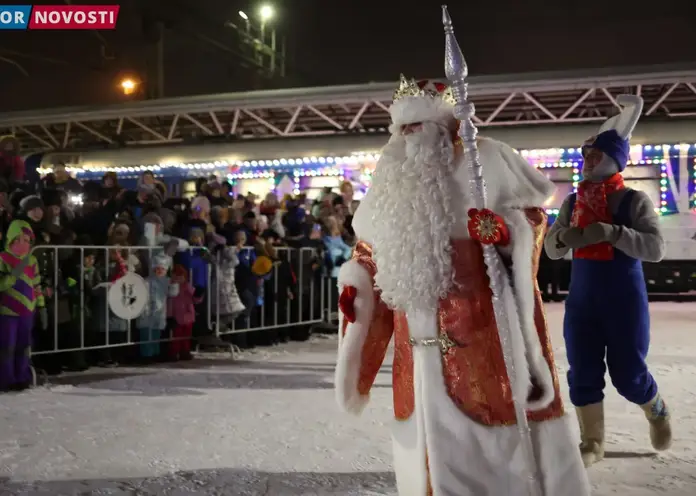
point(516, 100)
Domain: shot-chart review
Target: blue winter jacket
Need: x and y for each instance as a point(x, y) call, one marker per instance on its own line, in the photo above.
point(337, 252)
point(196, 265)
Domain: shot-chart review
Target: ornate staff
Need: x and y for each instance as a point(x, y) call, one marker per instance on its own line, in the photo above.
point(457, 71)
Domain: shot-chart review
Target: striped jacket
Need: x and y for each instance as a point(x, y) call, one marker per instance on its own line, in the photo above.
point(21, 295)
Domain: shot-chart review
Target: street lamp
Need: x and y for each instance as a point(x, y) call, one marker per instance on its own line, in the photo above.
point(243, 15)
point(266, 13)
point(128, 86)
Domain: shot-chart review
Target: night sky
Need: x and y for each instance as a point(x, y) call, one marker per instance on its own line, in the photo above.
point(339, 42)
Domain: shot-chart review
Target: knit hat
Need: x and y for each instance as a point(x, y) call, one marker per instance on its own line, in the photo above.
point(611, 144)
point(201, 203)
point(122, 230)
point(196, 232)
point(152, 218)
point(51, 198)
point(6, 141)
point(180, 271)
point(30, 202)
point(161, 260)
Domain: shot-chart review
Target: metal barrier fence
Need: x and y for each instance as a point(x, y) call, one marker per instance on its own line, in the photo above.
point(76, 281)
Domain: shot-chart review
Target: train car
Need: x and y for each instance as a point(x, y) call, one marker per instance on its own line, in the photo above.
point(664, 171)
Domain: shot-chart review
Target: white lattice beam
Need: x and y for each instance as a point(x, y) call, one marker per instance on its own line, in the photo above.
point(172, 127)
point(264, 122)
point(66, 135)
point(520, 120)
point(148, 129)
point(235, 122)
point(293, 119)
point(538, 105)
point(50, 136)
point(216, 122)
point(325, 117)
point(382, 106)
point(611, 98)
point(198, 124)
point(577, 103)
point(500, 108)
point(356, 118)
point(94, 132)
point(36, 137)
point(662, 98)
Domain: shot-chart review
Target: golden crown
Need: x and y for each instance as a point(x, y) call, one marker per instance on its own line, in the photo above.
point(410, 88)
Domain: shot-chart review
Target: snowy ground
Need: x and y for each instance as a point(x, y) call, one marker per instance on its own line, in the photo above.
point(267, 425)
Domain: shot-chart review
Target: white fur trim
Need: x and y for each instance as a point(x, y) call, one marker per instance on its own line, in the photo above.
point(522, 249)
point(412, 109)
point(350, 346)
point(495, 461)
point(408, 445)
point(522, 185)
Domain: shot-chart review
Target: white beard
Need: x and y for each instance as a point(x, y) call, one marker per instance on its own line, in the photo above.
point(411, 201)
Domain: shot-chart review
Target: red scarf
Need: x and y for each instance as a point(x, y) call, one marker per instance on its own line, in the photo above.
point(590, 207)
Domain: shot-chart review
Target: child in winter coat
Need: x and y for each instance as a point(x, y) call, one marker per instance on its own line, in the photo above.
point(93, 306)
point(181, 309)
point(20, 298)
point(153, 321)
point(196, 260)
point(226, 299)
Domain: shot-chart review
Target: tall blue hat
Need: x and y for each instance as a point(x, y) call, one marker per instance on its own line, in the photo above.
point(612, 145)
point(613, 137)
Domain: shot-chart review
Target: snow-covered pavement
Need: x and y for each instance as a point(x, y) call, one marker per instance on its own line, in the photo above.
point(266, 424)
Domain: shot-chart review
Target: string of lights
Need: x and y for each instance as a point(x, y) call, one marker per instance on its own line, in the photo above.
point(317, 166)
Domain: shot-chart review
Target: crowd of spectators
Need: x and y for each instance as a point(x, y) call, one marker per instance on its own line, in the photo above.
point(260, 254)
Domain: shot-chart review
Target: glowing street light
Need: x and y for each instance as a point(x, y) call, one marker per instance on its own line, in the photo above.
point(243, 15)
point(128, 86)
point(266, 13)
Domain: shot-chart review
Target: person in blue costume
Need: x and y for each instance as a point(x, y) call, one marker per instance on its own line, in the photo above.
point(611, 229)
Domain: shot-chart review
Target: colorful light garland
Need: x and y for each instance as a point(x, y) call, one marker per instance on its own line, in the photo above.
point(694, 195)
point(544, 158)
point(315, 166)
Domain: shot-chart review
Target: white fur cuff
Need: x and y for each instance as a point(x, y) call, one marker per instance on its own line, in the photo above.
point(349, 363)
point(354, 274)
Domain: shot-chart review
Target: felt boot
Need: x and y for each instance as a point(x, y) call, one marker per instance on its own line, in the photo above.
point(591, 420)
point(660, 428)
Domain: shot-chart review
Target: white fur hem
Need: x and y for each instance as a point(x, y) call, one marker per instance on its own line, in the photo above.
point(420, 109)
point(522, 249)
point(350, 346)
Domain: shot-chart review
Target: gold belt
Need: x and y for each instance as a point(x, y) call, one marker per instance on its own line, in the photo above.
point(443, 341)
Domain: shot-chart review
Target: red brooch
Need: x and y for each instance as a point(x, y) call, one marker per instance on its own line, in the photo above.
point(487, 227)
